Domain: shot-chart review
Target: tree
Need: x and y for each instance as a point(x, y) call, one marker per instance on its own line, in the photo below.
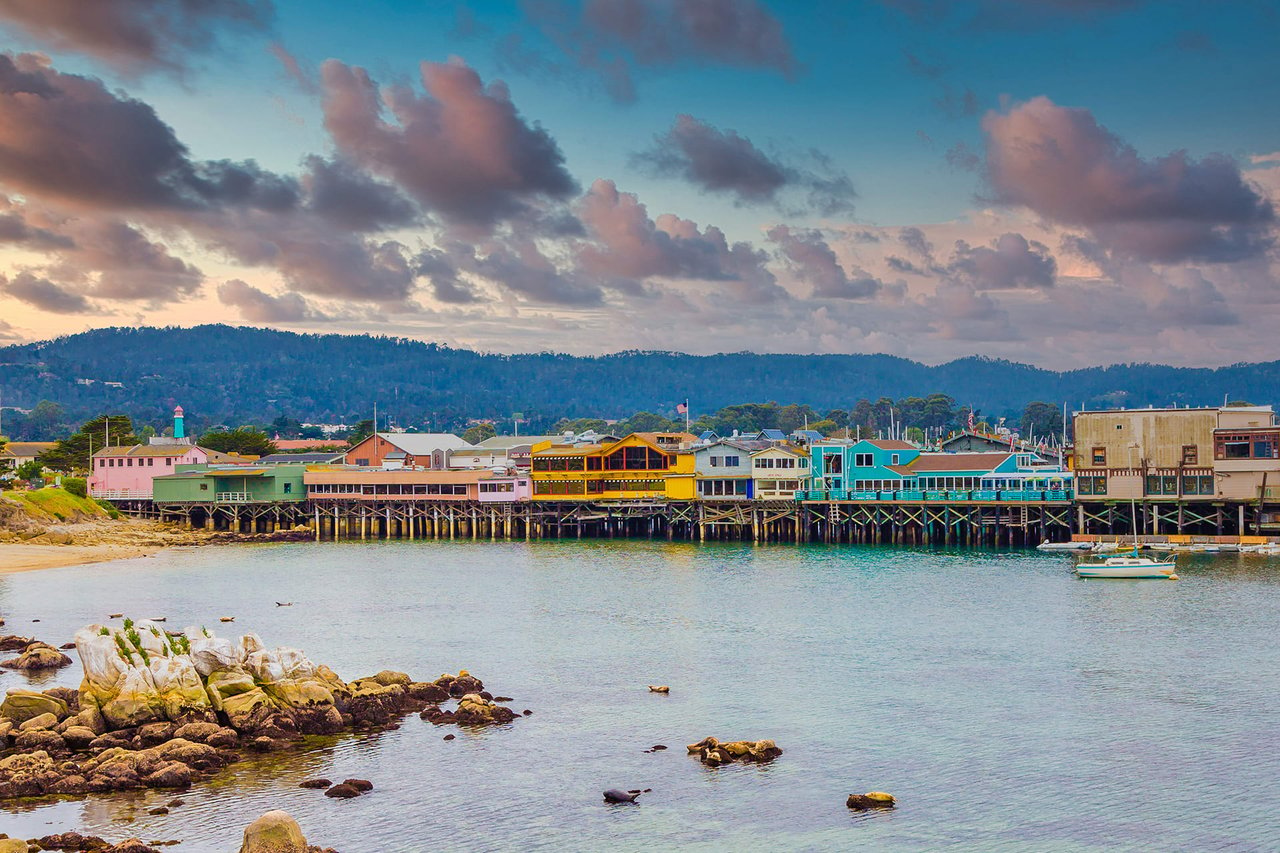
point(72, 453)
point(30, 470)
point(286, 427)
point(46, 420)
point(646, 422)
point(362, 430)
point(826, 426)
point(244, 440)
point(312, 431)
point(1040, 418)
point(479, 433)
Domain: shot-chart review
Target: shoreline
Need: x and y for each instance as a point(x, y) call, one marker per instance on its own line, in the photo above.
point(16, 557)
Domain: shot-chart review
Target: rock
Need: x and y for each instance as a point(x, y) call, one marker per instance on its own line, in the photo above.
point(274, 832)
point(389, 677)
point(425, 691)
point(6, 726)
point(12, 845)
point(67, 646)
point(66, 694)
point(714, 753)
point(474, 709)
point(375, 704)
point(342, 792)
point(226, 618)
point(526, 712)
point(659, 688)
point(169, 775)
point(21, 705)
point(78, 737)
point(72, 841)
point(262, 744)
point(657, 747)
point(361, 785)
point(613, 795)
point(112, 740)
point(44, 739)
point(42, 721)
point(503, 699)
point(173, 804)
point(870, 800)
point(14, 643)
point(26, 775)
point(158, 810)
point(448, 737)
point(132, 845)
point(315, 783)
point(153, 734)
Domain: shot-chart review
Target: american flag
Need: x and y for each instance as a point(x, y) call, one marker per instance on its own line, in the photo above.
point(682, 408)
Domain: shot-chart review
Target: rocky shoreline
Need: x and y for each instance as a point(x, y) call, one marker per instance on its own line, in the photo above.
point(161, 709)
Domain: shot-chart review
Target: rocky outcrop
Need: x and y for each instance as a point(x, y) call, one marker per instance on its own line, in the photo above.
point(871, 800)
point(159, 709)
point(713, 753)
point(37, 656)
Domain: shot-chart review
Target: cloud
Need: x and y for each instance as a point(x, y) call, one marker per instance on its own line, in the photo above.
point(258, 306)
point(722, 161)
point(523, 269)
point(813, 261)
point(915, 240)
point(304, 79)
point(134, 36)
point(128, 265)
point(15, 230)
point(961, 156)
point(44, 294)
point(1010, 262)
point(1064, 166)
point(462, 149)
point(612, 38)
point(342, 194)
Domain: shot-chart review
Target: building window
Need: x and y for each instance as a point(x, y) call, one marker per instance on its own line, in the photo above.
point(1261, 445)
point(363, 463)
point(1095, 485)
point(204, 487)
point(863, 460)
point(1099, 457)
point(1190, 455)
point(835, 463)
point(715, 461)
point(732, 461)
point(894, 459)
point(288, 488)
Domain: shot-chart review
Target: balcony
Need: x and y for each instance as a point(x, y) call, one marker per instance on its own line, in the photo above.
point(122, 494)
point(232, 497)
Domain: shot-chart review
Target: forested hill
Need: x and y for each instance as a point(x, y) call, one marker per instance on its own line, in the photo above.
point(231, 375)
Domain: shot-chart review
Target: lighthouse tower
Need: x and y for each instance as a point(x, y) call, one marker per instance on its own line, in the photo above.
point(179, 431)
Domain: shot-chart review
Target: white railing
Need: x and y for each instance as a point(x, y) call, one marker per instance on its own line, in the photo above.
point(232, 497)
point(122, 494)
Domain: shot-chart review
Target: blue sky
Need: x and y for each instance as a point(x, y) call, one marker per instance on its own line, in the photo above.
point(880, 91)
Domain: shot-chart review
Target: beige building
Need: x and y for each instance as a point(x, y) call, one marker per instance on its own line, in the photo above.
point(1175, 454)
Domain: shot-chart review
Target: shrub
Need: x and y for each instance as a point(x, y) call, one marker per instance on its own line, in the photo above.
point(76, 486)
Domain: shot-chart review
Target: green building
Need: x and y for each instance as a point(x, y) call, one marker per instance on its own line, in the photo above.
point(231, 484)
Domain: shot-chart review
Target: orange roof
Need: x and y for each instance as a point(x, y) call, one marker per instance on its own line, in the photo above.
point(928, 462)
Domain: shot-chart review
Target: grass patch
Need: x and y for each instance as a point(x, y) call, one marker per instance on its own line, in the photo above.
point(55, 505)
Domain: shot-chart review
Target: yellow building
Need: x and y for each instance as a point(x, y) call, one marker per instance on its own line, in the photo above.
point(644, 465)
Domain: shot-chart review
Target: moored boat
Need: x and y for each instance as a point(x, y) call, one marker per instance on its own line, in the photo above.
point(1128, 566)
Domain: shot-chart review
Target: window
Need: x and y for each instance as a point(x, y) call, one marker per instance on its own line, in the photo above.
point(1096, 485)
point(1161, 484)
point(863, 460)
point(834, 462)
point(362, 463)
point(288, 488)
point(1258, 445)
point(893, 460)
point(1100, 457)
point(715, 461)
point(151, 462)
point(204, 487)
point(558, 487)
point(1197, 484)
point(1190, 454)
point(558, 463)
point(732, 461)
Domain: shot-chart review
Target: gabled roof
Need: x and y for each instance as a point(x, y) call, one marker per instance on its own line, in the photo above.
point(424, 443)
point(931, 462)
point(151, 450)
point(748, 444)
point(652, 437)
point(773, 435)
point(890, 444)
point(26, 448)
point(808, 434)
point(784, 448)
point(506, 442)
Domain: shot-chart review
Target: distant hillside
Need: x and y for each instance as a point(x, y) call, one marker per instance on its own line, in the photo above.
point(233, 375)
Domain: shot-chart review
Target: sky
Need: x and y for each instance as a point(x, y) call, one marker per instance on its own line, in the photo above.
point(1060, 182)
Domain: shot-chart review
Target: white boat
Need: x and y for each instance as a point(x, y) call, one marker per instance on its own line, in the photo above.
point(1128, 566)
point(1063, 546)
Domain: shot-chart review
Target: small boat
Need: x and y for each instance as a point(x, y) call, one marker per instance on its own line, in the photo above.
point(1063, 546)
point(1128, 566)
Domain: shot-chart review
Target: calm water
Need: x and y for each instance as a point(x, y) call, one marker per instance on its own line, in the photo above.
point(1008, 705)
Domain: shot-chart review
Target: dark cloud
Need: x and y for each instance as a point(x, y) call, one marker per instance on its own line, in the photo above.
point(625, 243)
point(348, 197)
point(957, 103)
point(813, 262)
point(611, 38)
point(68, 139)
point(135, 35)
point(44, 294)
point(258, 306)
point(1064, 166)
point(522, 269)
point(903, 265)
point(441, 267)
point(128, 265)
point(1010, 262)
point(15, 229)
point(722, 161)
point(915, 240)
point(461, 150)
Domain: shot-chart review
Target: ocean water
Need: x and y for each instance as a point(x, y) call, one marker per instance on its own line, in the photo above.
point(1007, 704)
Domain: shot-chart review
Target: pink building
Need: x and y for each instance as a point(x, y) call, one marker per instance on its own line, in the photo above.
point(123, 473)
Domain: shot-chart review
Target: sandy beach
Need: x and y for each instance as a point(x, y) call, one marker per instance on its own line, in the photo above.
point(18, 557)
